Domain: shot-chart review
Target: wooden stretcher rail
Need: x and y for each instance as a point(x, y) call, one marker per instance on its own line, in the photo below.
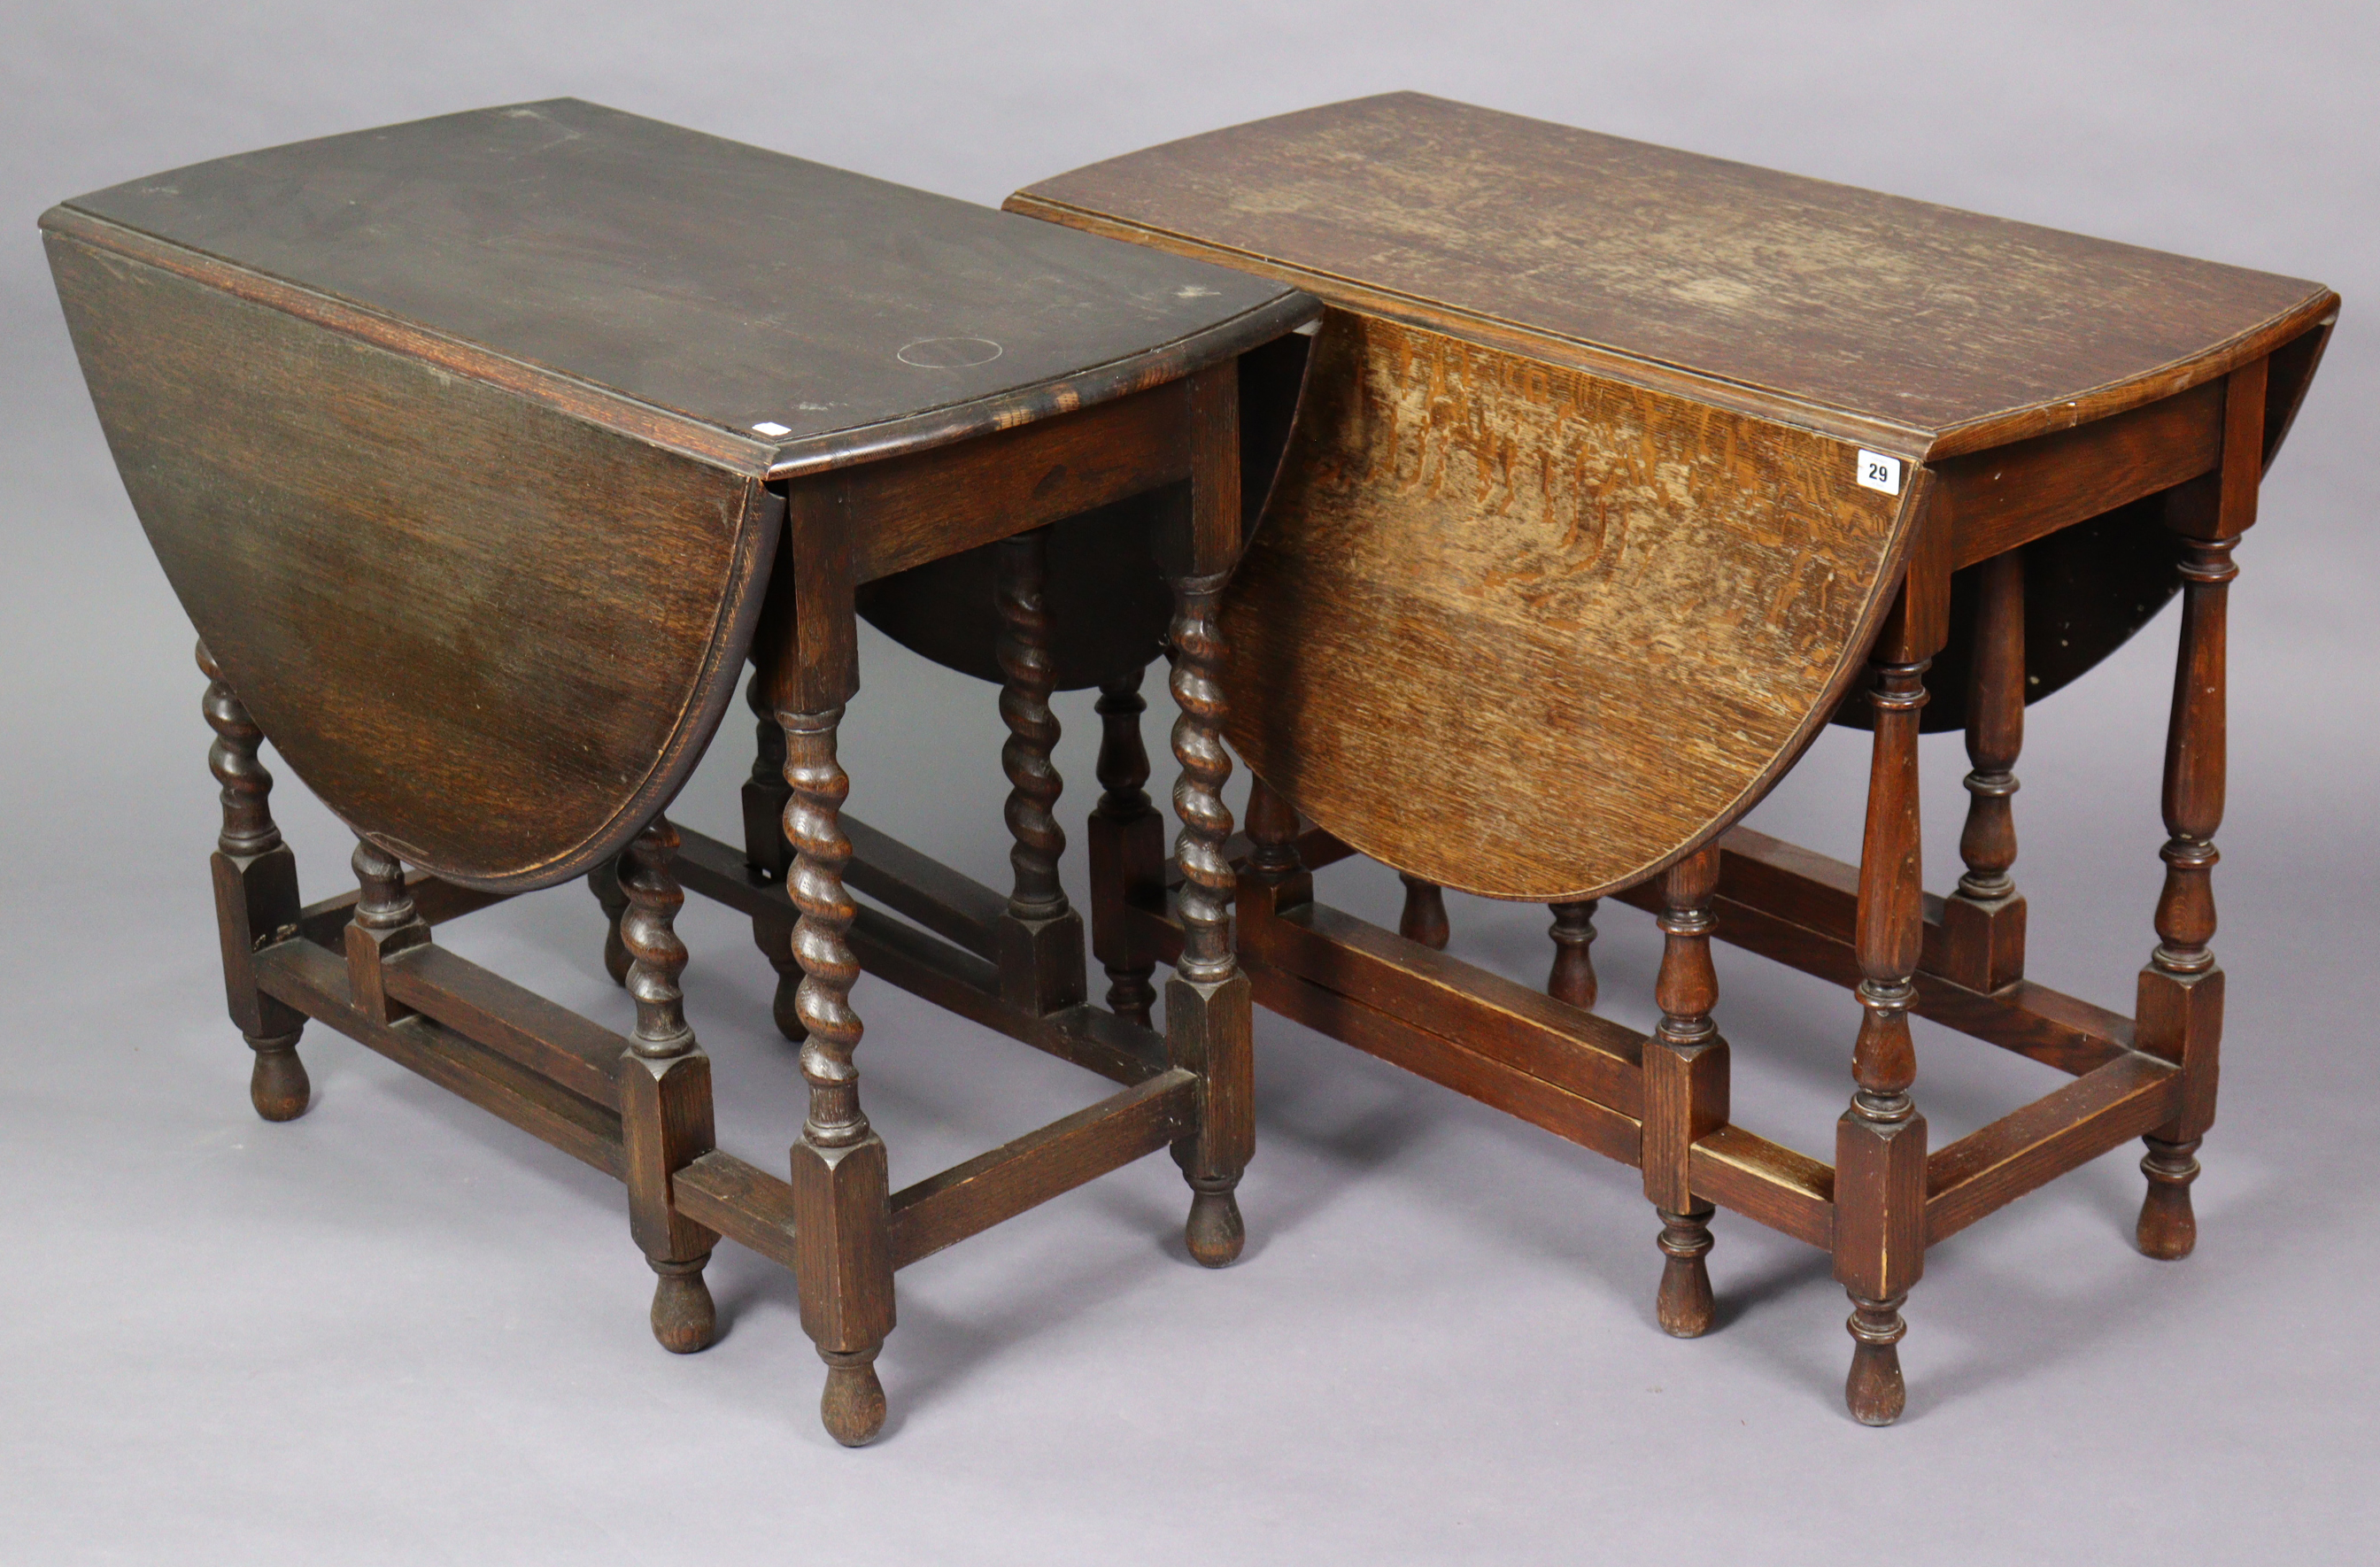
point(1565, 1114)
point(518, 1024)
point(1798, 909)
point(955, 980)
point(1552, 1066)
point(741, 1201)
point(1486, 1013)
point(1996, 1164)
point(956, 907)
point(1558, 1105)
point(1739, 1169)
point(314, 980)
point(550, 1072)
point(1744, 1172)
point(992, 1187)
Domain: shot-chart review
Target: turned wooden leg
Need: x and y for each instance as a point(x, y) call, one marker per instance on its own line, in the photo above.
point(1880, 1141)
point(1127, 849)
point(665, 1115)
point(2179, 1011)
point(1040, 939)
point(2168, 1227)
point(1983, 920)
point(1208, 1031)
point(1424, 916)
point(768, 852)
point(1207, 1002)
point(1572, 979)
point(1685, 1091)
point(385, 923)
point(1273, 879)
point(765, 791)
point(1876, 1389)
point(2180, 999)
point(604, 882)
point(255, 879)
point(842, 1220)
point(1273, 859)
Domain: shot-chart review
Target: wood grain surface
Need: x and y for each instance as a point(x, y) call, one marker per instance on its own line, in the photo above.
point(784, 304)
point(1531, 633)
point(492, 637)
point(451, 436)
point(1862, 312)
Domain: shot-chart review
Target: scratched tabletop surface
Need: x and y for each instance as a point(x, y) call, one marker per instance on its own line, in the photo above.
point(1914, 316)
point(764, 294)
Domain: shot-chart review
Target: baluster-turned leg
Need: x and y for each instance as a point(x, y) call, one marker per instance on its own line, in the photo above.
point(765, 792)
point(1685, 1091)
point(256, 900)
point(1983, 922)
point(1880, 1141)
point(665, 1118)
point(384, 924)
point(767, 852)
point(1275, 877)
point(1127, 847)
point(2180, 1015)
point(1273, 858)
point(1572, 979)
point(1424, 917)
point(1041, 942)
point(604, 882)
point(842, 1220)
point(1207, 1002)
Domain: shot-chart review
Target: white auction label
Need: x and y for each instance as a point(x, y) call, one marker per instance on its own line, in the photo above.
point(1878, 471)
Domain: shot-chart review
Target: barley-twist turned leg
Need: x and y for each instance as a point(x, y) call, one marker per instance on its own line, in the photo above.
point(665, 1110)
point(842, 1217)
point(256, 899)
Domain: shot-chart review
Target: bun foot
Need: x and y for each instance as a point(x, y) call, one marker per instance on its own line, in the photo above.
point(1683, 1305)
point(2168, 1227)
point(853, 1406)
point(782, 1010)
point(278, 1084)
point(684, 1319)
point(1215, 1233)
point(1875, 1392)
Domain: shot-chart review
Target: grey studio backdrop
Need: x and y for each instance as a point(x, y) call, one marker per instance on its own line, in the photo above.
point(400, 1330)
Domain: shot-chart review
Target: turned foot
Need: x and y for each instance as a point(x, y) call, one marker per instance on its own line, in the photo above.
point(853, 1406)
point(1875, 1392)
point(684, 1319)
point(278, 1085)
point(1215, 1233)
point(1683, 1305)
point(2168, 1229)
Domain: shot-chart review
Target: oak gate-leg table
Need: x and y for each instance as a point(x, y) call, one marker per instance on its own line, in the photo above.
point(484, 451)
point(1621, 471)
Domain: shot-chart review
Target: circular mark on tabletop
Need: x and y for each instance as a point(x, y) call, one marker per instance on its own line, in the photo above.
point(949, 353)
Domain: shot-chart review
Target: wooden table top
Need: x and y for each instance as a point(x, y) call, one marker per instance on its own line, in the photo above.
point(1866, 315)
point(798, 315)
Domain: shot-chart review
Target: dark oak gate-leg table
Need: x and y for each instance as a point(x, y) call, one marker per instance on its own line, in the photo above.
point(485, 451)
